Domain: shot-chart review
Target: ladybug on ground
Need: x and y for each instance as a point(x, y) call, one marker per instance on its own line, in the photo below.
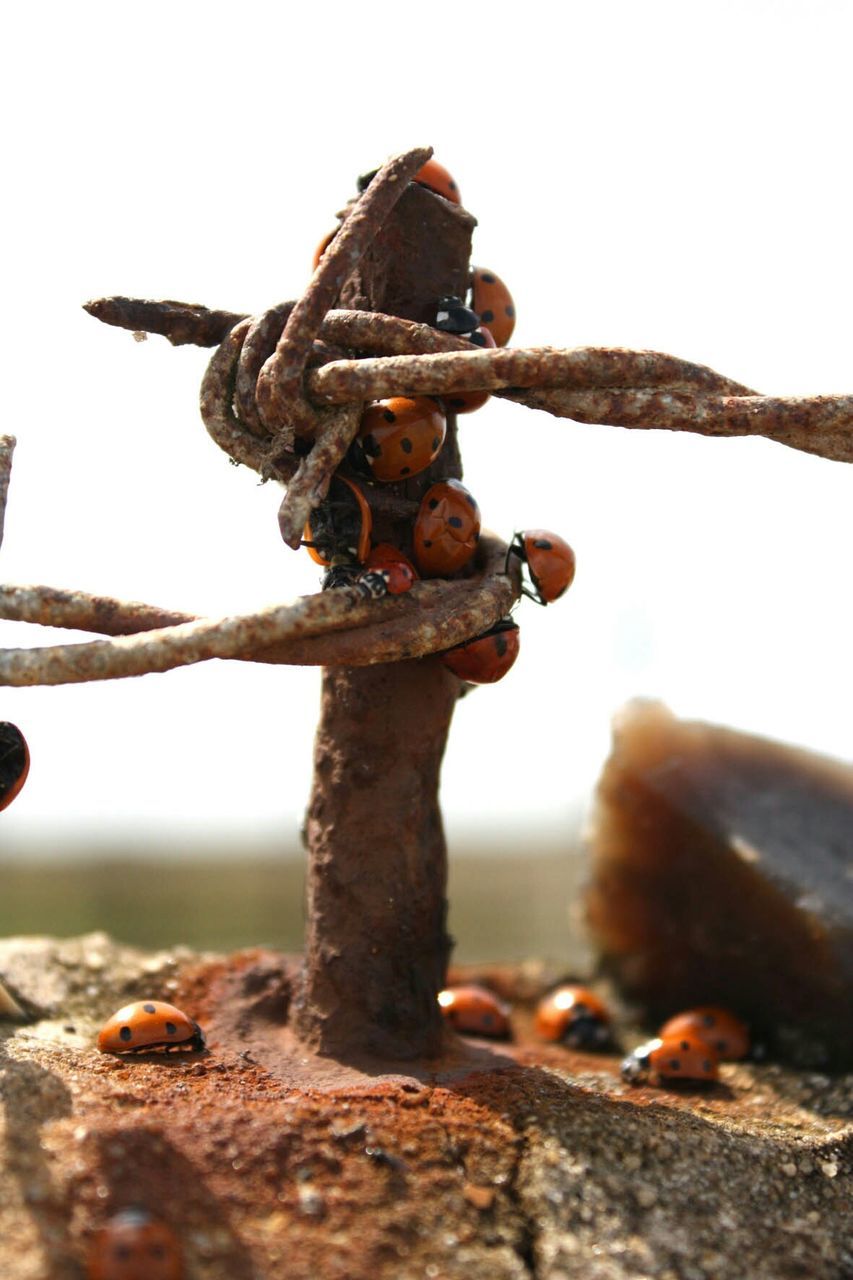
point(492, 301)
point(401, 436)
point(475, 1011)
point(338, 530)
point(722, 1029)
point(487, 658)
point(682, 1057)
point(401, 573)
point(447, 529)
point(323, 246)
point(435, 176)
point(150, 1026)
point(575, 1016)
point(550, 562)
point(14, 762)
point(135, 1246)
point(468, 401)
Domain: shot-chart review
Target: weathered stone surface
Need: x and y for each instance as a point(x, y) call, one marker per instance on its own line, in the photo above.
point(722, 873)
point(492, 1164)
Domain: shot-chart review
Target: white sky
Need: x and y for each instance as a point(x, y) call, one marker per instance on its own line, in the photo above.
point(671, 176)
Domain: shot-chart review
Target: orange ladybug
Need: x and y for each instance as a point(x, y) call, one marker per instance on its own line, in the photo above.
point(681, 1057)
point(323, 246)
point(575, 1016)
point(149, 1026)
point(719, 1027)
point(401, 573)
point(14, 762)
point(339, 528)
point(447, 529)
point(135, 1246)
point(435, 176)
point(468, 401)
point(487, 658)
point(493, 303)
point(550, 562)
point(475, 1011)
point(401, 436)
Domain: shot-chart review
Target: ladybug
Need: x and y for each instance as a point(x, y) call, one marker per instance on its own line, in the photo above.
point(475, 1011)
point(435, 176)
point(14, 762)
point(400, 437)
point(550, 561)
point(719, 1027)
point(135, 1246)
point(682, 1057)
point(323, 246)
point(468, 401)
point(149, 1026)
point(447, 529)
point(452, 316)
point(339, 528)
point(493, 303)
point(575, 1016)
point(402, 574)
point(487, 658)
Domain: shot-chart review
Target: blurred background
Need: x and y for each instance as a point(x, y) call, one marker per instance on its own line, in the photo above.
point(666, 176)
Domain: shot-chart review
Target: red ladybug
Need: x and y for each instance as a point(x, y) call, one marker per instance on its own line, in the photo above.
point(135, 1246)
point(401, 436)
point(681, 1057)
point(468, 401)
point(402, 574)
point(719, 1027)
point(487, 658)
point(575, 1016)
point(14, 762)
point(149, 1026)
point(493, 303)
point(339, 528)
point(435, 176)
point(550, 561)
point(475, 1011)
point(447, 529)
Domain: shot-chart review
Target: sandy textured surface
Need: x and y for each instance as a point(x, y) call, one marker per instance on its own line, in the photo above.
point(494, 1162)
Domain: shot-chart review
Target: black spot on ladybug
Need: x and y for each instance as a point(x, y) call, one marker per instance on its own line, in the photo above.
point(685, 1044)
point(452, 185)
point(675, 1064)
point(455, 522)
point(433, 503)
point(389, 415)
point(477, 536)
point(405, 471)
point(500, 646)
point(149, 1008)
point(487, 277)
point(171, 1028)
point(125, 1034)
point(427, 542)
point(435, 443)
point(706, 1066)
point(488, 1019)
point(510, 311)
point(471, 500)
point(542, 544)
point(487, 316)
point(370, 446)
point(708, 1019)
point(455, 403)
point(406, 444)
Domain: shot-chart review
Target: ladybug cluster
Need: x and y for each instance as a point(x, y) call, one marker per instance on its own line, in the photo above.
point(399, 438)
point(689, 1046)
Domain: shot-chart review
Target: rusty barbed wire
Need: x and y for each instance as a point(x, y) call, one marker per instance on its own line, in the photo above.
point(7, 449)
point(304, 370)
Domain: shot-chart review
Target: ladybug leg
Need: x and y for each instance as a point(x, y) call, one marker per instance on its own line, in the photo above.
point(531, 595)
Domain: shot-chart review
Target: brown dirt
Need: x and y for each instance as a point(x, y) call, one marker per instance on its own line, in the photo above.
point(493, 1162)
